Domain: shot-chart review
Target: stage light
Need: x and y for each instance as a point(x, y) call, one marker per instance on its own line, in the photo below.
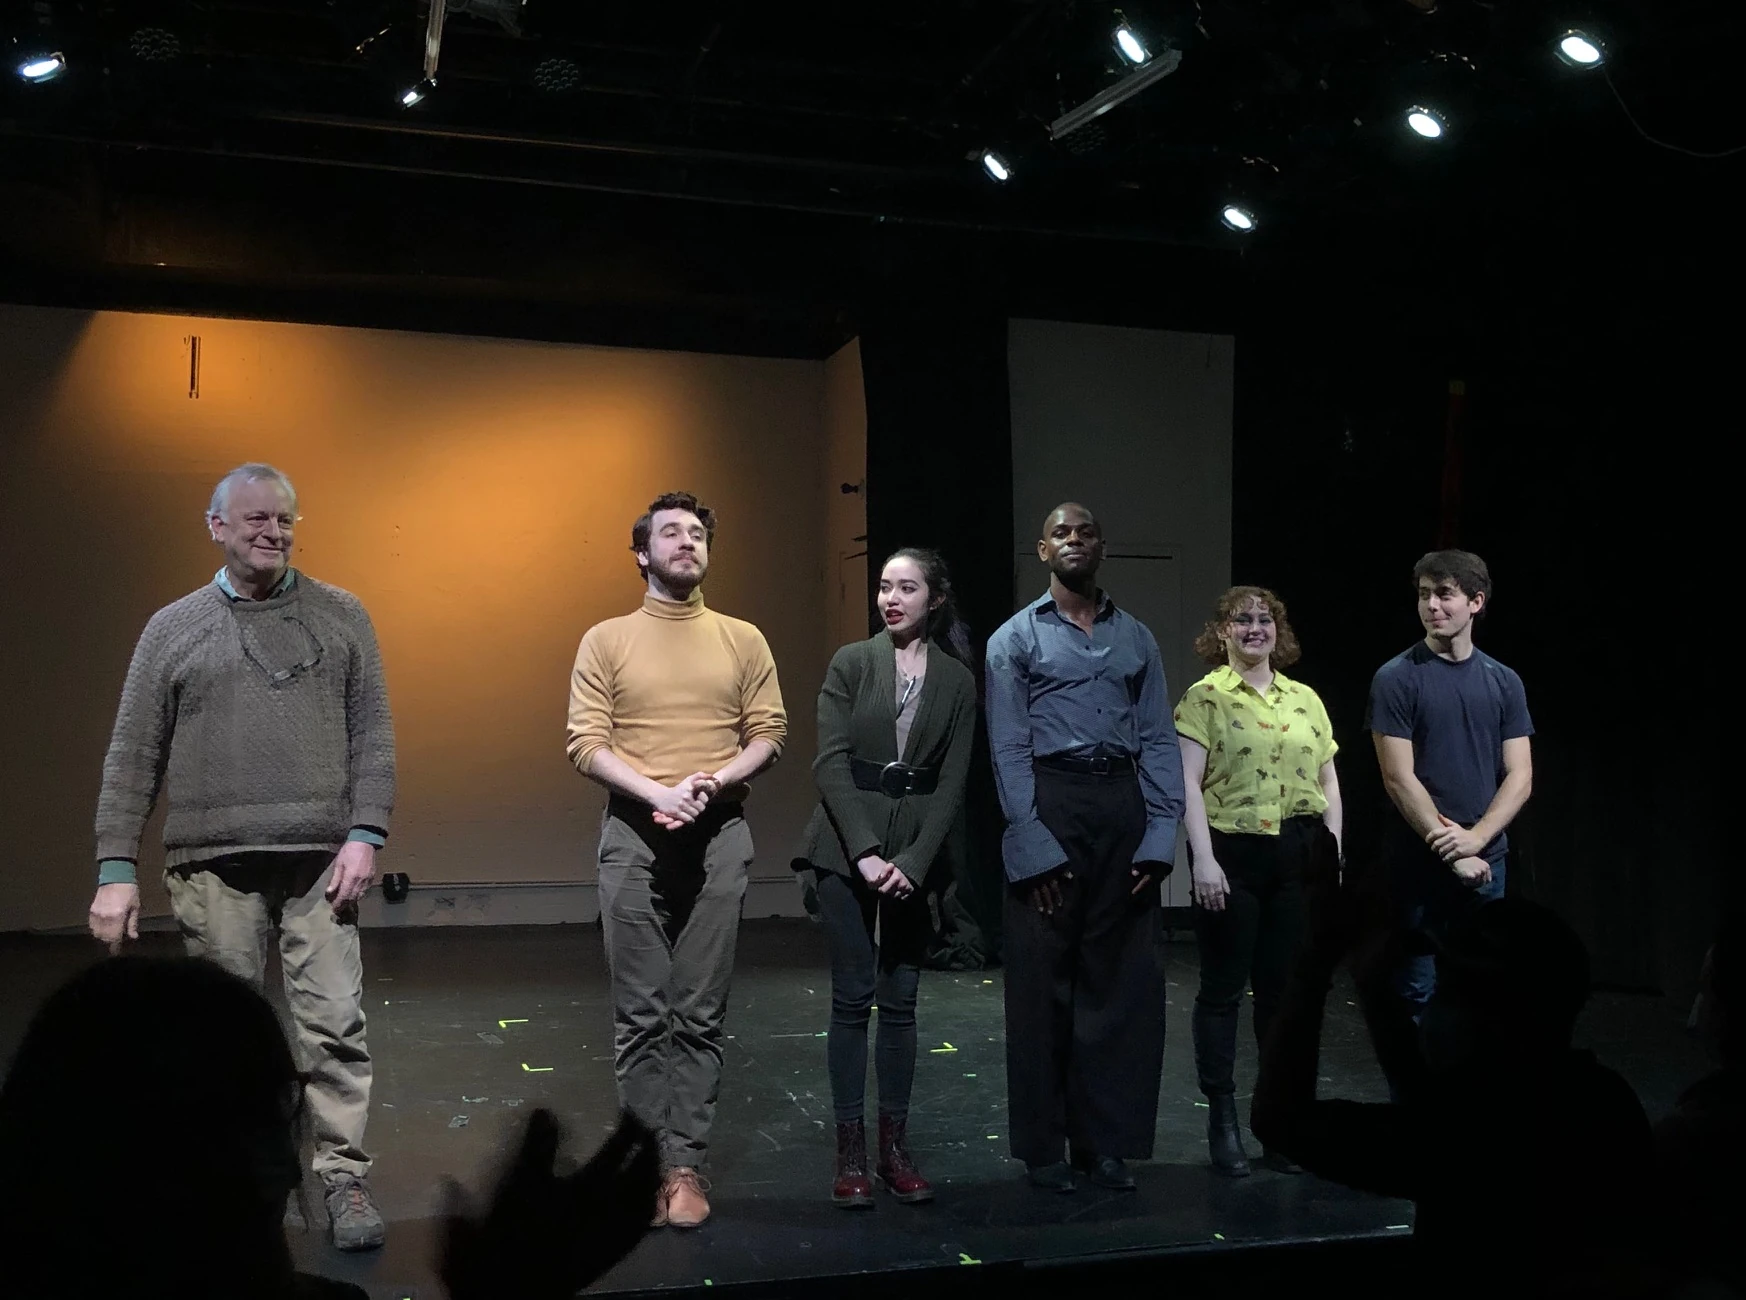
point(43, 67)
point(1087, 140)
point(1580, 50)
point(557, 76)
point(155, 45)
point(418, 92)
point(1132, 48)
point(996, 166)
point(1427, 122)
point(1238, 218)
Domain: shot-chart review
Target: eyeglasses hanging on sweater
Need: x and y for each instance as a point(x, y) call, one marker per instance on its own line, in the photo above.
point(304, 643)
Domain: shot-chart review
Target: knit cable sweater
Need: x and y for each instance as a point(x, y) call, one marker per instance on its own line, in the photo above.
point(265, 722)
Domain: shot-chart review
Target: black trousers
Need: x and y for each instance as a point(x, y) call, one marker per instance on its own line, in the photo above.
point(1085, 986)
point(1255, 938)
point(864, 974)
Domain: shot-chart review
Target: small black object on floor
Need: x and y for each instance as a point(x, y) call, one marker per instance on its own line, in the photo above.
point(473, 1027)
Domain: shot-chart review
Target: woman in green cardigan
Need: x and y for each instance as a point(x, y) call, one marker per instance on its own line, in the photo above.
point(896, 720)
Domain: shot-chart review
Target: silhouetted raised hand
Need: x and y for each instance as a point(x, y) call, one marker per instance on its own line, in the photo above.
point(545, 1234)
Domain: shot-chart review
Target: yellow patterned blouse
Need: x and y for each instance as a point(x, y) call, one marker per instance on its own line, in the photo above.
point(1264, 753)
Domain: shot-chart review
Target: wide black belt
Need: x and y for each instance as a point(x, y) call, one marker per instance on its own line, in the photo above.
point(893, 779)
point(1099, 765)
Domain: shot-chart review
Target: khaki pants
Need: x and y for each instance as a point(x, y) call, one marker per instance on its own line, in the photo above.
point(227, 909)
point(670, 908)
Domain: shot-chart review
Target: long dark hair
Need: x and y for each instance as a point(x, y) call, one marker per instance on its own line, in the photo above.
point(944, 627)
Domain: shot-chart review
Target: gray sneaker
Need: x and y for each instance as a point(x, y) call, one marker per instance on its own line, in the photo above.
point(352, 1215)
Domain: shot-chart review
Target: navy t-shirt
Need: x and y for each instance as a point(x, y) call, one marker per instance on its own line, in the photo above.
point(1458, 716)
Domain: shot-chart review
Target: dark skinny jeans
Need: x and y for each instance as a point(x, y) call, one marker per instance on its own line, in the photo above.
point(864, 975)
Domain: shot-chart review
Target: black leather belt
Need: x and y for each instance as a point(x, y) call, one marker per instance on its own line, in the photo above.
point(894, 780)
point(1102, 765)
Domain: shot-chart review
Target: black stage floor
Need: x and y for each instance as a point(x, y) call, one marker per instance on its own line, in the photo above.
point(470, 1027)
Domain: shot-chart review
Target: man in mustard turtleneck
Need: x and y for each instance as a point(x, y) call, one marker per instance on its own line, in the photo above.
point(673, 709)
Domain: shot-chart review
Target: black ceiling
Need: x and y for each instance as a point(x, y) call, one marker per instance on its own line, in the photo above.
point(220, 135)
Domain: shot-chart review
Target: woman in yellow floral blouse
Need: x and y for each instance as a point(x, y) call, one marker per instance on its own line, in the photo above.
point(1258, 764)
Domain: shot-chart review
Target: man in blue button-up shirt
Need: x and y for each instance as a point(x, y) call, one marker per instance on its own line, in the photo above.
point(1090, 780)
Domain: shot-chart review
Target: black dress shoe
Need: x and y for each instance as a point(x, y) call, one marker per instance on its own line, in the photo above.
point(1279, 1164)
point(1051, 1178)
point(1112, 1175)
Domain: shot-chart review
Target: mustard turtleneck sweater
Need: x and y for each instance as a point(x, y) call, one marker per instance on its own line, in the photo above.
point(672, 689)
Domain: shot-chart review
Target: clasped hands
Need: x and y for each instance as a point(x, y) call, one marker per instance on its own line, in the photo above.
point(683, 803)
point(1460, 848)
point(885, 877)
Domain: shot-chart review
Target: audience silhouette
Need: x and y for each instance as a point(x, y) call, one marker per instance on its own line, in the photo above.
point(1701, 1144)
point(1530, 1163)
point(150, 1095)
point(546, 1235)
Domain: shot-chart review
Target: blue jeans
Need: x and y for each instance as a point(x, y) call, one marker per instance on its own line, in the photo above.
point(1429, 897)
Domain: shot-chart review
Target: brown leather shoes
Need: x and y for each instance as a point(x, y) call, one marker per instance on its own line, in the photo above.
point(686, 1205)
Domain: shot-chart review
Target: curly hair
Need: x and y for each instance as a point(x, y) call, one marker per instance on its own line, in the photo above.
point(1210, 644)
point(669, 501)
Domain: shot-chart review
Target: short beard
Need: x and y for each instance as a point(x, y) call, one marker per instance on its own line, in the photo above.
point(678, 582)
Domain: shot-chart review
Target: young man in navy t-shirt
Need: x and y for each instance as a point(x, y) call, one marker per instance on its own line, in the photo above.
point(1451, 729)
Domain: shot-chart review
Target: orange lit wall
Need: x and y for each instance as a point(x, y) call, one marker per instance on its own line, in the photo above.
point(476, 494)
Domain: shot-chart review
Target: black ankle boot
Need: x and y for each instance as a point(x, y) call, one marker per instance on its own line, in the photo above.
point(1224, 1136)
point(1215, 1057)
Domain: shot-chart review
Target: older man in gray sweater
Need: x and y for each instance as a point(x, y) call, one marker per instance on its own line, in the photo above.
point(257, 705)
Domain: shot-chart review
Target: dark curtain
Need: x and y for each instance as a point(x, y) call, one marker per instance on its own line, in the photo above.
point(1603, 527)
point(939, 474)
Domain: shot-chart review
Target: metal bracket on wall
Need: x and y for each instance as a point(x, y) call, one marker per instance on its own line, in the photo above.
point(193, 343)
